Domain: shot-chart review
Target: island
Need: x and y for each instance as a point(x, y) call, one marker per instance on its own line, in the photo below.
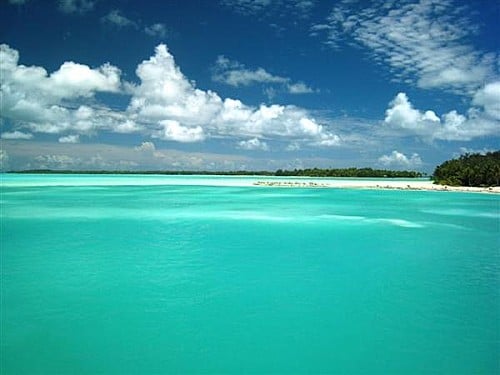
point(480, 170)
point(467, 173)
point(309, 172)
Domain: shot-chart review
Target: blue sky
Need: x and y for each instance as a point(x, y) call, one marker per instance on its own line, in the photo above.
point(247, 84)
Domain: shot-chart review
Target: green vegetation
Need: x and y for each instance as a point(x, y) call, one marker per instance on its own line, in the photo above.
point(349, 172)
point(470, 170)
point(311, 172)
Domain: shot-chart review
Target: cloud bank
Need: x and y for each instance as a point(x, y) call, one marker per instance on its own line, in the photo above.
point(480, 121)
point(164, 104)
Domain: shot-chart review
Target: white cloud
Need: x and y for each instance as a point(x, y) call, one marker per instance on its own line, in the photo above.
point(466, 150)
point(253, 144)
point(116, 18)
point(125, 125)
point(16, 135)
point(235, 74)
point(401, 114)
point(70, 160)
point(310, 126)
point(424, 42)
point(74, 79)
point(328, 140)
point(398, 159)
point(39, 100)
point(319, 27)
point(174, 109)
point(164, 104)
point(73, 138)
point(452, 126)
point(71, 80)
point(146, 147)
point(164, 94)
point(299, 88)
point(75, 6)
point(488, 97)
point(173, 131)
point(158, 30)
point(55, 161)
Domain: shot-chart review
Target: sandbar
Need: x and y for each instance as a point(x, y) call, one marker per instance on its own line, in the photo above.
point(425, 185)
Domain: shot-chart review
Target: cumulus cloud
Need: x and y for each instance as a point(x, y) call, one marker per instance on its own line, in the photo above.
point(172, 130)
point(158, 30)
point(164, 104)
point(73, 138)
point(235, 74)
point(116, 18)
point(488, 97)
point(328, 141)
point(69, 81)
point(75, 6)
point(174, 109)
point(452, 126)
point(24, 85)
point(40, 101)
point(401, 114)
point(168, 103)
point(398, 159)
point(16, 135)
point(423, 42)
point(74, 79)
point(253, 144)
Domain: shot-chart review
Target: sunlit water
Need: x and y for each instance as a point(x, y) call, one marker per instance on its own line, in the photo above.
point(152, 274)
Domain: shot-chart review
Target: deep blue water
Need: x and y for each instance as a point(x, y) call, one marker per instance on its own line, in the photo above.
point(182, 278)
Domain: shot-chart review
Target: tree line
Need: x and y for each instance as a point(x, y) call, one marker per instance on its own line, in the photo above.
point(467, 170)
point(309, 172)
point(349, 172)
point(470, 170)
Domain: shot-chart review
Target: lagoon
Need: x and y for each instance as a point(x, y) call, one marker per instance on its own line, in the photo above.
point(192, 274)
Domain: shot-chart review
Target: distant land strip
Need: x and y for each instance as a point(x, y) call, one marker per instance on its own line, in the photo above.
point(310, 172)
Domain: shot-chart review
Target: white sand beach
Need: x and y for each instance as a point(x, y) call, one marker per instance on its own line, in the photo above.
point(34, 180)
point(426, 185)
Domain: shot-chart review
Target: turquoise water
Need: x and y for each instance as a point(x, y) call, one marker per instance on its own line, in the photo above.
point(149, 274)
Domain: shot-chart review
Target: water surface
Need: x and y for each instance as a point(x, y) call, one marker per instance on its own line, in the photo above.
point(103, 274)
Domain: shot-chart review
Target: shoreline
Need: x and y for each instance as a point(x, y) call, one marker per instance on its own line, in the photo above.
point(379, 185)
point(38, 180)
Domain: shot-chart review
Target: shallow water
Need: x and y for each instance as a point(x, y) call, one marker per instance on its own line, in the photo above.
point(175, 276)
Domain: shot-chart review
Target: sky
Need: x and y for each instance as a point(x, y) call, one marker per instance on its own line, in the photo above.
point(247, 84)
